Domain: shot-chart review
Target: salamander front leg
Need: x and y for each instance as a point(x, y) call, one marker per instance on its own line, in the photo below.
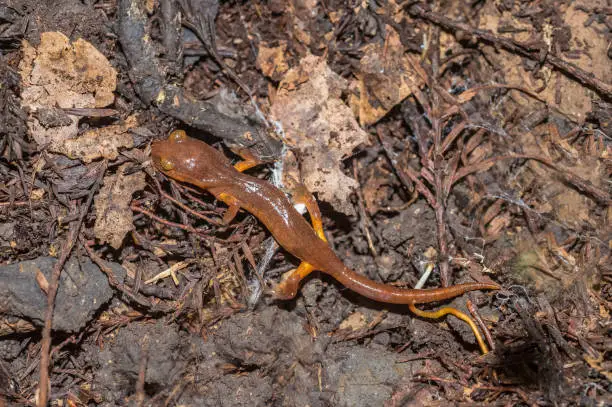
point(250, 160)
point(289, 286)
point(453, 311)
point(232, 210)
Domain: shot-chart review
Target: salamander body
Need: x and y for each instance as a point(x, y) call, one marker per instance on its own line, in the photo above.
point(195, 162)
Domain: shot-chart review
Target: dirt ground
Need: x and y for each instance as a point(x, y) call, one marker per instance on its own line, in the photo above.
point(469, 140)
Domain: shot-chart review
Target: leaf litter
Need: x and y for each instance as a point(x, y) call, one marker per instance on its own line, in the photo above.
point(320, 128)
point(335, 73)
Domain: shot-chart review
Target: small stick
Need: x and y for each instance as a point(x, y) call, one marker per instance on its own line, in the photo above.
point(365, 221)
point(476, 315)
point(142, 370)
point(156, 218)
point(189, 210)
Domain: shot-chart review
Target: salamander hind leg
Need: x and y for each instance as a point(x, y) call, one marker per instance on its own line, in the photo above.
point(301, 195)
point(290, 284)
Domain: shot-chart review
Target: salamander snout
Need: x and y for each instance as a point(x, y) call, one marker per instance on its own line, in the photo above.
point(161, 155)
point(162, 151)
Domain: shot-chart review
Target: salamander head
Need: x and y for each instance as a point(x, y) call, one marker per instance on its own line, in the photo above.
point(171, 155)
point(189, 160)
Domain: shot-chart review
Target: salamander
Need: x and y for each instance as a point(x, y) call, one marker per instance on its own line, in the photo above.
point(194, 162)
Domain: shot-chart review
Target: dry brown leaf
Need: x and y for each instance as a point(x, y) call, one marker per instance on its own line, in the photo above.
point(104, 142)
point(58, 74)
point(42, 281)
point(272, 61)
point(11, 325)
point(565, 94)
point(319, 127)
point(377, 186)
point(567, 205)
point(113, 214)
point(386, 78)
point(354, 322)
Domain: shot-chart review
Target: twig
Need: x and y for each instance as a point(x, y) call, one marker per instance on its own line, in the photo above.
point(600, 196)
point(20, 203)
point(436, 202)
point(89, 112)
point(200, 19)
point(71, 339)
point(425, 276)
point(112, 280)
point(404, 175)
point(142, 370)
point(481, 324)
point(506, 389)
point(363, 216)
point(270, 248)
point(189, 210)
point(156, 218)
point(150, 82)
point(53, 286)
point(499, 389)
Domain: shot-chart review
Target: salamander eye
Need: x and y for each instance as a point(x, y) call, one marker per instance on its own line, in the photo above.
point(177, 136)
point(166, 164)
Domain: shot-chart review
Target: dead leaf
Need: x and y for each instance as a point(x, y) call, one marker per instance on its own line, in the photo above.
point(319, 127)
point(354, 322)
point(113, 214)
point(103, 142)
point(272, 61)
point(377, 187)
point(12, 325)
point(58, 74)
point(386, 78)
point(568, 205)
point(37, 194)
point(530, 267)
point(565, 94)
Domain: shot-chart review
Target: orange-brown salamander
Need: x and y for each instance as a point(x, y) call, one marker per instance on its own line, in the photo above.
point(195, 162)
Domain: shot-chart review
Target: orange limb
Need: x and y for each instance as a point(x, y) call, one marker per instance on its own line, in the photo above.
point(232, 210)
point(249, 158)
point(453, 311)
point(290, 285)
point(301, 195)
point(288, 288)
point(250, 161)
